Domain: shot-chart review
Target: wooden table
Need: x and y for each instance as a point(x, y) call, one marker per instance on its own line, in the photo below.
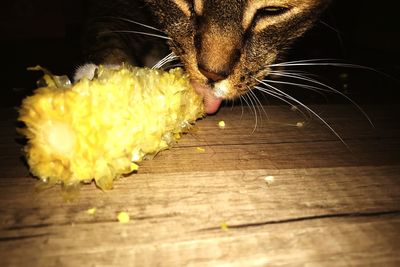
point(282, 195)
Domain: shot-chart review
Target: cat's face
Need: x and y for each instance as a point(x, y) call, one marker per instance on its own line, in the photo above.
point(226, 45)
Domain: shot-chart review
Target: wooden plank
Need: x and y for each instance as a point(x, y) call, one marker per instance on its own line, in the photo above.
point(280, 127)
point(313, 244)
point(247, 193)
point(276, 156)
point(275, 144)
point(180, 216)
point(288, 196)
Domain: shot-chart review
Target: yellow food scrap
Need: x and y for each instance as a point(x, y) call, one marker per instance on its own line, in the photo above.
point(221, 124)
point(123, 217)
point(269, 179)
point(100, 129)
point(200, 149)
point(224, 226)
point(91, 211)
point(300, 124)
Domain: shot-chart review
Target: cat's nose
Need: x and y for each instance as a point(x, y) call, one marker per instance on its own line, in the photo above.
point(213, 76)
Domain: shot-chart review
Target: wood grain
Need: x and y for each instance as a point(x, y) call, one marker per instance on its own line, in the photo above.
point(278, 196)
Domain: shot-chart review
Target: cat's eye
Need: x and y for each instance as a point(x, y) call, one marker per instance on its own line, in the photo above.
point(254, 14)
point(270, 11)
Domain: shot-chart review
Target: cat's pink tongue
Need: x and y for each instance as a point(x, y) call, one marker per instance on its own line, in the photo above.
point(211, 102)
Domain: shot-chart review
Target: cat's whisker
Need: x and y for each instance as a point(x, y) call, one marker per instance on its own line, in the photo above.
point(247, 100)
point(302, 85)
point(259, 105)
point(175, 65)
point(138, 32)
point(305, 107)
point(326, 88)
point(299, 73)
point(315, 64)
point(325, 62)
point(331, 28)
point(284, 96)
point(279, 97)
point(165, 60)
point(253, 107)
point(303, 77)
point(241, 105)
point(313, 88)
point(276, 95)
point(162, 61)
point(134, 22)
point(232, 104)
point(338, 33)
point(314, 60)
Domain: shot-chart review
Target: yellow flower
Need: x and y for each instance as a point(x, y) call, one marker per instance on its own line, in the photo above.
point(99, 129)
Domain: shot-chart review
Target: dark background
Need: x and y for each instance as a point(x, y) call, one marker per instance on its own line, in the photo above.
point(365, 32)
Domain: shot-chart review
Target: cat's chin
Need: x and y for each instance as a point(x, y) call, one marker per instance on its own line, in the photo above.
point(211, 102)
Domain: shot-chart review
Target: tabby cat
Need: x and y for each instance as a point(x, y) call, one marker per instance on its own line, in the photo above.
point(226, 46)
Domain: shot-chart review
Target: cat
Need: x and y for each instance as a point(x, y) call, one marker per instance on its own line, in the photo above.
point(226, 46)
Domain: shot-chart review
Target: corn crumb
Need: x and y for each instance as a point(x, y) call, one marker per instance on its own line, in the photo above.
point(221, 124)
point(269, 179)
point(91, 211)
point(224, 226)
point(200, 149)
point(123, 217)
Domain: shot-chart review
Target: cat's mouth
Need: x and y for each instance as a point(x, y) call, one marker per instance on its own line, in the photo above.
point(211, 101)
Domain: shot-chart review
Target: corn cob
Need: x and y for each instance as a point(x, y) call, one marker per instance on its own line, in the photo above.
point(100, 129)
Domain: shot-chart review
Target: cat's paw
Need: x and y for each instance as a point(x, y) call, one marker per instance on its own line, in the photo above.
point(85, 71)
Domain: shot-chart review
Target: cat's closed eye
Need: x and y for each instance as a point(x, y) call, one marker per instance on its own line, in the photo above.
point(269, 11)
